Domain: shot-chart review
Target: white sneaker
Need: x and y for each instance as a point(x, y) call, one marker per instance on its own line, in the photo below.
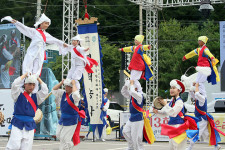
point(218, 147)
point(103, 140)
point(189, 148)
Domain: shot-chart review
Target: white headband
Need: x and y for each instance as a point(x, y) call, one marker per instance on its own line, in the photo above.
point(68, 82)
point(106, 90)
point(31, 79)
point(77, 38)
point(42, 19)
point(175, 84)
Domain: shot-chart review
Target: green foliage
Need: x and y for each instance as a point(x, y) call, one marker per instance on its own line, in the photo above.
point(56, 67)
point(111, 64)
point(175, 41)
point(178, 31)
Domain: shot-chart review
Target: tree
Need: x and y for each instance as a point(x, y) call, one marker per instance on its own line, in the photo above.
point(175, 41)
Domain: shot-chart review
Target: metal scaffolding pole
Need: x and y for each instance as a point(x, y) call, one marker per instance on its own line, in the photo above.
point(152, 39)
point(70, 14)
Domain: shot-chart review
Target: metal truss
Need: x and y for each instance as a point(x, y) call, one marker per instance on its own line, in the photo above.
point(70, 14)
point(152, 39)
point(152, 7)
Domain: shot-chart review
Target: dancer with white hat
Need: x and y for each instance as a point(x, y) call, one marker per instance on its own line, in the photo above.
point(79, 60)
point(34, 58)
point(26, 104)
point(69, 124)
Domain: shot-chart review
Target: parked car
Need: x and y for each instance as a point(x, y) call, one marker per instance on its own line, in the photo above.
point(114, 110)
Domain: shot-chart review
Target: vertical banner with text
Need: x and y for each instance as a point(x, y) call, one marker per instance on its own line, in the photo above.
point(92, 81)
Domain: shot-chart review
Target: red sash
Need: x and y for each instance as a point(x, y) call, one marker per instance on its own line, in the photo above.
point(76, 135)
point(14, 41)
point(30, 100)
point(91, 61)
point(44, 38)
point(212, 126)
point(172, 132)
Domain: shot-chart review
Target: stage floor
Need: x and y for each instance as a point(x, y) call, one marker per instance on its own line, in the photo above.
point(98, 145)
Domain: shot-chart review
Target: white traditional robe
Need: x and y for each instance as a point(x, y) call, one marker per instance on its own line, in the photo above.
point(34, 58)
point(77, 63)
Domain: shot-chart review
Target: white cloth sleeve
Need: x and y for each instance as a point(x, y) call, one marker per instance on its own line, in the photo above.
point(7, 54)
point(80, 49)
point(52, 40)
point(106, 107)
point(192, 94)
point(16, 88)
point(58, 95)
point(27, 31)
point(161, 114)
point(200, 98)
point(172, 111)
point(136, 95)
point(42, 94)
point(65, 50)
point(125, 92)
point(76, 97)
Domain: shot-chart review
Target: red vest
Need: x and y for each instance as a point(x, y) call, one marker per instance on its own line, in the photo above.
point(203, 61)
point(137, 62)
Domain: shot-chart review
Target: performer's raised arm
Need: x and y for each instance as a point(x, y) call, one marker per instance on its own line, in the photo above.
point(190, 55)
point(125, 90)
point(16, 86)
point(75, 93)
point(27, 31)
point(134, 91)
point(52, 40)
point(43, 93)
point(58, 92)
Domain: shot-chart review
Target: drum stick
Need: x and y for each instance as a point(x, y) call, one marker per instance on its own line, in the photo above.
point(47, 97)
point(126, 73)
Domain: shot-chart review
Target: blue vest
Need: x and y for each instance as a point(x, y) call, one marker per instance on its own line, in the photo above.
point(69, 116)
point(202, 108)
point(134, 114)
point(24, 113)
point(177, 119)
point(104, 101)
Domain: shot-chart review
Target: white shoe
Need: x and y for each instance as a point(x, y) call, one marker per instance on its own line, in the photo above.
point(103, 140)
point(218, 147)
point(189, 148)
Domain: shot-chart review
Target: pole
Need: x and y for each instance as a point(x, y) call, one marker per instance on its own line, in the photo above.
point(140, 19)
point(38, 9)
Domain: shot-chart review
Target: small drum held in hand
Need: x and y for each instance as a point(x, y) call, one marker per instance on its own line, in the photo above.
point(38, 116)
point(1, 117)
point(156, 103)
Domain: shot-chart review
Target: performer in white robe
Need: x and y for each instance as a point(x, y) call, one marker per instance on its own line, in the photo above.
point(23, 125)
point(79, 60)
point(34, 58)
point(133, 130)
point(69, 117)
